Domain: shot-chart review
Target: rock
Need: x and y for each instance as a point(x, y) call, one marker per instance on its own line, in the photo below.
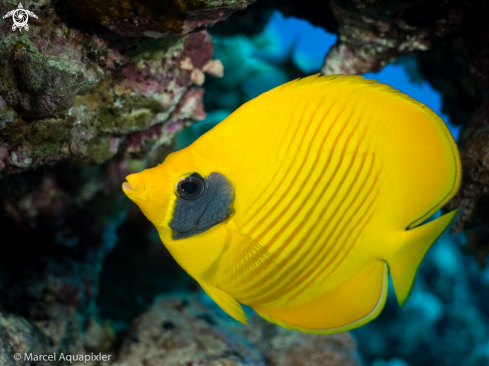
point(372, 34)
point(473, 197)
point(180, 330)
point(150, 19)
point(281, 347)
point(17, 336)
point(214, 68)
point(61, 333)
point(447, 68)
point(249, 21)
point(57, 225)
point(81, 93)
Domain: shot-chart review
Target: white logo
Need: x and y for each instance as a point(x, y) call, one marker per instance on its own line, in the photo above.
point(20, 16)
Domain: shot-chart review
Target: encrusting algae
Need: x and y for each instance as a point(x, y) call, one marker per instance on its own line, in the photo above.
point(304, 223)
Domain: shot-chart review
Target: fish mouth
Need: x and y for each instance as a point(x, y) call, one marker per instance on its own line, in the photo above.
point(134, 188)
point(127, 187)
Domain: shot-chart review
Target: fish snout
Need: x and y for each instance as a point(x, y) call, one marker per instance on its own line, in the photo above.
point(135, 187)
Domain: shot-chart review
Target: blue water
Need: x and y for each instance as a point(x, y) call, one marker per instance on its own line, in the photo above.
point(305, 44)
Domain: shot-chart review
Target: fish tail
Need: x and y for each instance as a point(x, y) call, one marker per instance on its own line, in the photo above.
point(404, 264)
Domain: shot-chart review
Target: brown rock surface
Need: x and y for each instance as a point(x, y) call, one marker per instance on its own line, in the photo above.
point(374, 33)
point(180, 330)
point(156, 19)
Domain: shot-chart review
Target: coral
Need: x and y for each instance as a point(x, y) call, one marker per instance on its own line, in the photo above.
point(447, 68)
point(473, 196)
point(17, 335)
point(371, 34)
point(147, 18)
point(79, 93)
point(57, 225)
point(249, 21)
point(71, 93)
point(143, 265)
point(247, 73)
point(286, 348)
point(180, 330)
point(62, 331)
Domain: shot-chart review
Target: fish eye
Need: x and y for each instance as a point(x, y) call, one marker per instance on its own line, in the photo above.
point(190, 188)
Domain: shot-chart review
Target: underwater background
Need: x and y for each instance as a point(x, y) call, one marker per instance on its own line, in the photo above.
point(97, 90)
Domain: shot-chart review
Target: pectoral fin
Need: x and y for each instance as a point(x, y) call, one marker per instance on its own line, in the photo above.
point(246, 260)
point(226, 302)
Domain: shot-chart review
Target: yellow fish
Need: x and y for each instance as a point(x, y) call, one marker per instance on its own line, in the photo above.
point(303, 200)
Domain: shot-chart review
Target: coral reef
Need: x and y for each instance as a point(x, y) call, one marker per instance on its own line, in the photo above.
point(61, 333)
point(447, 68)
point(371, 34)
point(143, 265)
point(57, 225)
point(147, 18)
point(181, 330)
point(473, 197)
point(80, 92)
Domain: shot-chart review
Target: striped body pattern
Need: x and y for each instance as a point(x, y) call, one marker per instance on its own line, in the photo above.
point(332, 178)
point(314, 217)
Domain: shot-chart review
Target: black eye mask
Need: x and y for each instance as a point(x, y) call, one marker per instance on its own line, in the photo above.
point(213, 205)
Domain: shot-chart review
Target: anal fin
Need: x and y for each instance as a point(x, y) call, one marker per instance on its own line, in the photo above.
point(416, 242)
point(226, 302)
point(353, 303)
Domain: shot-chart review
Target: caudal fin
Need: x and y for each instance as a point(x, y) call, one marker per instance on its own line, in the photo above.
point(416, 242)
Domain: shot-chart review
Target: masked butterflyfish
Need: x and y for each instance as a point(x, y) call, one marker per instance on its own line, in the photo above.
point(303, 200)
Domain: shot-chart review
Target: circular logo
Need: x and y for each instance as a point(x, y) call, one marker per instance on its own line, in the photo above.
point(20, 16)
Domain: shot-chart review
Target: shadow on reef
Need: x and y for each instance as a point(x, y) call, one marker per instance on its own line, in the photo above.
point(138, 269)
point(57, 222)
